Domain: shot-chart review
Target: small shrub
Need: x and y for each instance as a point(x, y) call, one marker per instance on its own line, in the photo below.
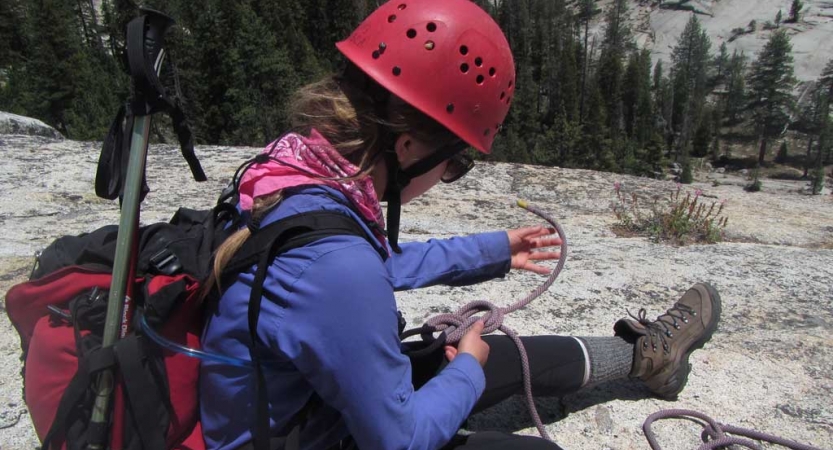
point(736, 33)
point(755, 185)
point(680, 220)
point(769, 25)
point(818, 180)
point(781, 157)
point(686, 177)
point(753, 26)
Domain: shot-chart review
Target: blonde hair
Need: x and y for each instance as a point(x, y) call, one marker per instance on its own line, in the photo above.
point(348, 117)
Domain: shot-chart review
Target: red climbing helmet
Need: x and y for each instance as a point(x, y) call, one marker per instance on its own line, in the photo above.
point(448, 58)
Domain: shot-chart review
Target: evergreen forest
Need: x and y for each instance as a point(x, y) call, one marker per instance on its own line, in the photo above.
point(583, 100)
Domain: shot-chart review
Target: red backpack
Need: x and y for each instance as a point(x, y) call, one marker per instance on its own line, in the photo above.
point(59, 314)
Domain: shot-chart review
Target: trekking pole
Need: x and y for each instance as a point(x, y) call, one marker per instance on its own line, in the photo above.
point(145, 38)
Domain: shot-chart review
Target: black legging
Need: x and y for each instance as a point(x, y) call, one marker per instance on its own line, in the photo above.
point(557, 368)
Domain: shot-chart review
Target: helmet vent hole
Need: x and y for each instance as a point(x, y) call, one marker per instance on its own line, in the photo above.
point(392, 18)
point(411, 33)
point(502, 95)
point(402, 6)
point(510, 83)
point(464, 68)
point(450, 107)
point(480, 79)
point(397, 70)
point(486, 132)
point(464, 50)
point(492, 72)
point(376, 54)
point(429, 45)
point(478, 61)
point(431, 27)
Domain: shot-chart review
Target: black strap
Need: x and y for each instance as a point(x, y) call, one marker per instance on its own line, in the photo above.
point(260, 433)
point(262, 247)
point(142, 392)
point(299, 230)
point(88, 366)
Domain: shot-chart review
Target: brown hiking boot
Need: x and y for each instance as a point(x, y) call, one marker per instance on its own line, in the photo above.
point(662, 347)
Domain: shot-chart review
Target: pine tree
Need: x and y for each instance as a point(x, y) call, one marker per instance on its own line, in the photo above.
point(656, 81)
point(782, 155)
point(779, 18)
point(771, 85)
point(795, 11)
point(61, 81)
point(702, 139)
point(812, 121)
point(721, 63)
point(690, 74)
point(736, 87)
point(826, 83)
point(12, 16)
point(585, 14)
point(617, 41)
point(116, 14)
point(636, 97)
point(715, 150)
point(287, 20)
point(686, 177)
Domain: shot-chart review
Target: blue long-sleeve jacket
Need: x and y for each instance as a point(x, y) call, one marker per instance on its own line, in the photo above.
point(329, 319)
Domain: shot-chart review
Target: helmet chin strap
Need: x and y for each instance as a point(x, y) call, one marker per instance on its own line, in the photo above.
point(399, 179)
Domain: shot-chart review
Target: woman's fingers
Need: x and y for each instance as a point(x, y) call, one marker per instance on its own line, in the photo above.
point(544, 256)
point(450, 353)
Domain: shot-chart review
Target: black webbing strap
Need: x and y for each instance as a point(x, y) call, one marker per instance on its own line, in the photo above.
point(261, 248)
point(88, 366)
point(260, 433)
point(299, 230)
point(142, 392)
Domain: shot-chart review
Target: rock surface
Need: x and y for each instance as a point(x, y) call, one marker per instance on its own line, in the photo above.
point(658, 28)
point(14, 124)
point(768, 367)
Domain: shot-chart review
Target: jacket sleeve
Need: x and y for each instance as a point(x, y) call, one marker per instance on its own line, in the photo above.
point(458, 261)
point(344, 340)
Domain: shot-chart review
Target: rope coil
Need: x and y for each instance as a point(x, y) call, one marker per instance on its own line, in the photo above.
point(454, 326)
point(715, 434)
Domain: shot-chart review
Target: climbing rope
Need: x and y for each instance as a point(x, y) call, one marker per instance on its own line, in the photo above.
point(714, 434)
point(455, 325)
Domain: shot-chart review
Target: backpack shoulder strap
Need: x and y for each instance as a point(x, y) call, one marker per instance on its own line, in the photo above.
point(261, 248)
point(294, 232)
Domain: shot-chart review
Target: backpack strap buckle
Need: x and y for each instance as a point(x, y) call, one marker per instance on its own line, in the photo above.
point(166, 262)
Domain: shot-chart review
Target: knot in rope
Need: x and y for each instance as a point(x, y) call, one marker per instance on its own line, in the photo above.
point(454, 326)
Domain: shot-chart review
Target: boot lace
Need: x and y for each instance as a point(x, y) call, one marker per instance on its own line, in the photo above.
point(660, 331)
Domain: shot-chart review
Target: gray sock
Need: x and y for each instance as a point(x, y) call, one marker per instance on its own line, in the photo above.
point(609, 358)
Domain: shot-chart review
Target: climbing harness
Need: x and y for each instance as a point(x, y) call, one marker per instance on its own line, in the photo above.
point(715, 434)
point(455, 325)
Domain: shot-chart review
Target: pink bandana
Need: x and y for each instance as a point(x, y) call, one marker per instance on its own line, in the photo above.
point(306, 161)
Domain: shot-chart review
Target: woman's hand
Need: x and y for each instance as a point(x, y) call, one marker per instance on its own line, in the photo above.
point(523, 240)
point(471, 343)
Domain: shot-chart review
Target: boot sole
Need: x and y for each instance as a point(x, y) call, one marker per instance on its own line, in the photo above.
point(676, 385)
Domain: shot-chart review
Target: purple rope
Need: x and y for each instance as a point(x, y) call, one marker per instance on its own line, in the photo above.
point(456, 325)
point(715, 434)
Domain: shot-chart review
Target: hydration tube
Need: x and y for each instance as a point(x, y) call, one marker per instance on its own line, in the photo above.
point(192, 352)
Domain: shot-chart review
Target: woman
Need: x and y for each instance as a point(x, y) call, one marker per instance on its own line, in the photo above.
point(425, 80)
